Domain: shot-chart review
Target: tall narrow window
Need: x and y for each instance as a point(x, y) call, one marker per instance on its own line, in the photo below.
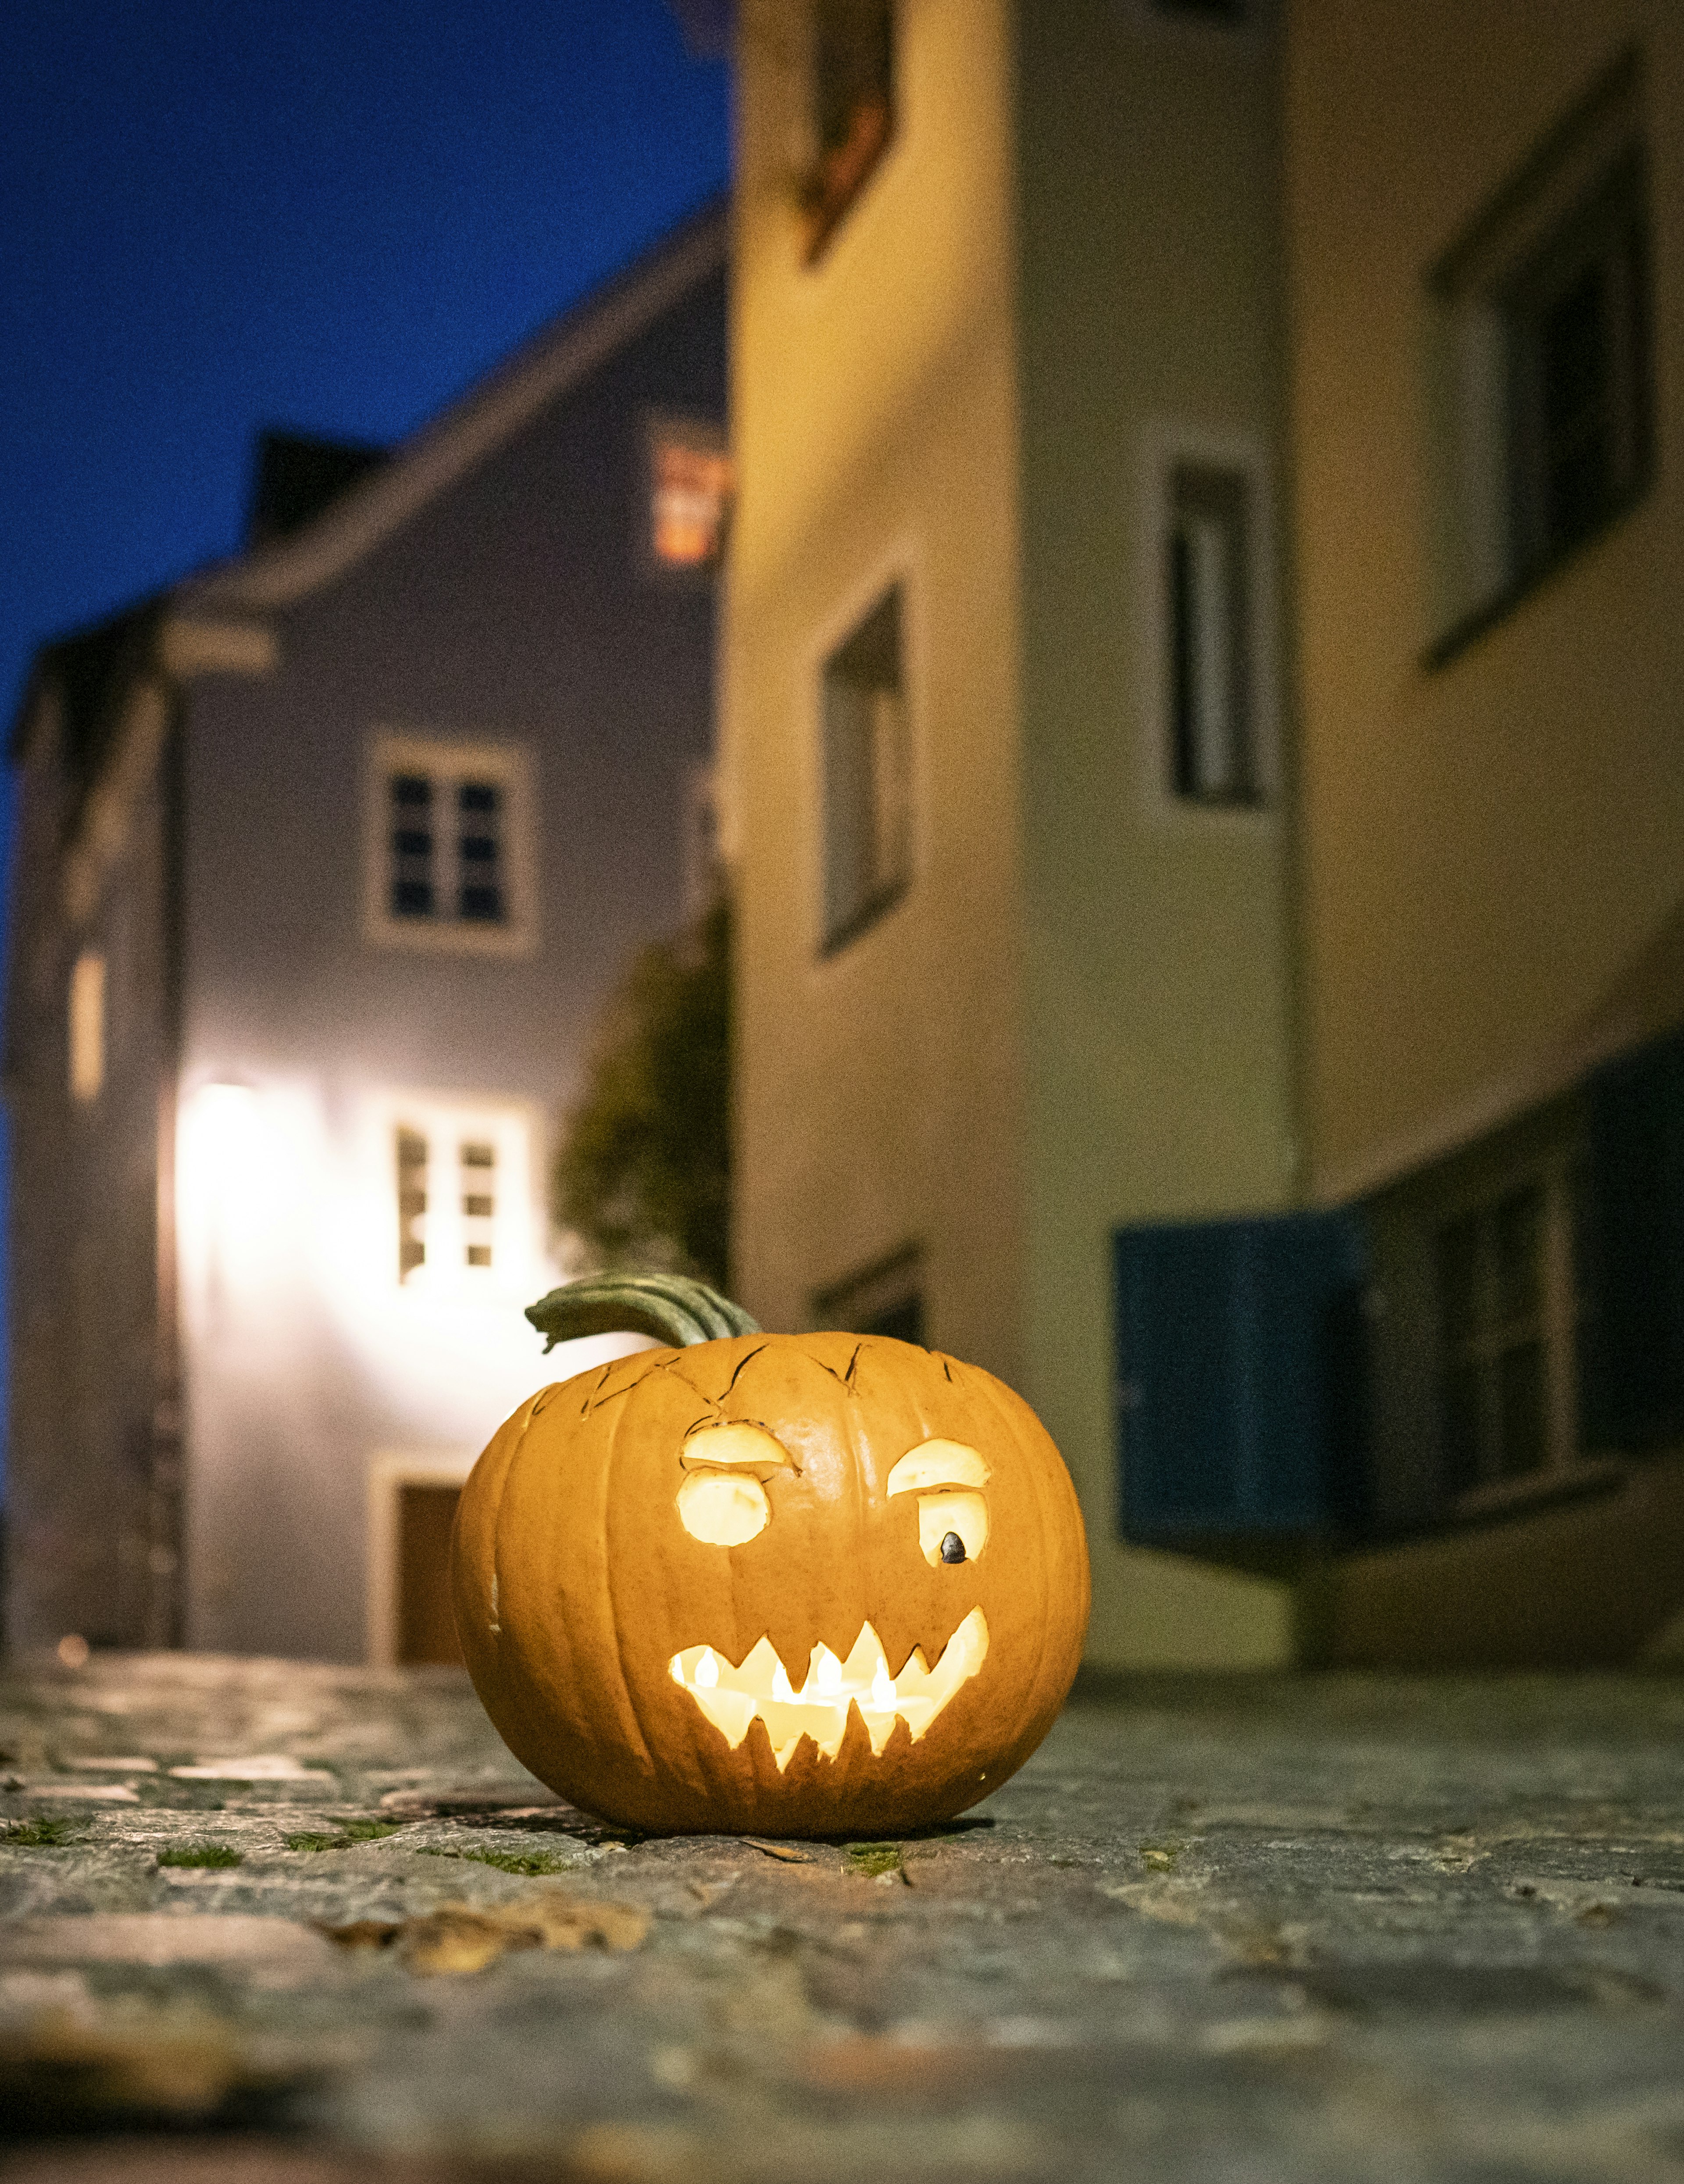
point(867, 770)
point(854, 107)
point(1542, 350)
point(478, 843)
point(479, 1200)
point(450, 856)
point(88, 1026)
point(690, 483)
point(1208, 595)
point(1507, 1315)
point(413, 894)
point(412, 1202)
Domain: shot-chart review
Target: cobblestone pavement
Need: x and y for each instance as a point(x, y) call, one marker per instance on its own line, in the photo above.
point(296, 1925)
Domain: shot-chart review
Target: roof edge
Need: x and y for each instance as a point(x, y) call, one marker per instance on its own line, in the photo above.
point(474, 425)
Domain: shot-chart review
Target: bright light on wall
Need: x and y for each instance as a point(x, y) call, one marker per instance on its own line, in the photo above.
point(237, 1194)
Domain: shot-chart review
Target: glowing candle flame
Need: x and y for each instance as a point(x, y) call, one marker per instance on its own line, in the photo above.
point(829, 1672)
point(707, 1669)
point(883, 1687)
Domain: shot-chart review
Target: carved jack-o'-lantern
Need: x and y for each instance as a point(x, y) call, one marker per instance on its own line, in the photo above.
point(782, 1584)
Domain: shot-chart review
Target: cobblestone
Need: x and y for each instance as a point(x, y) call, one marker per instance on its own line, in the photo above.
point(1264, 1928)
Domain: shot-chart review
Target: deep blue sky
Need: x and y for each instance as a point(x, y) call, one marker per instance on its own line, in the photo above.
point(225, 213)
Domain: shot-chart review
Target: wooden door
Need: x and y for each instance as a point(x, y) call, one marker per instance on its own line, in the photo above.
point(427, 1623)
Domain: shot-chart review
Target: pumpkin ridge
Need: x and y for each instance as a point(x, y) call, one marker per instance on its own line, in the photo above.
point(620, 1678)
point(1039, 1486)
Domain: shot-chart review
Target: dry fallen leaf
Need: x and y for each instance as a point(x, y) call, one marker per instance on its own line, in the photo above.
point(787, 1851)
point(456, 1938)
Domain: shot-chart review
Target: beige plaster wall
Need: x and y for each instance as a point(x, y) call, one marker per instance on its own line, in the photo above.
point(879, 1092)
point(1492, 841)
point(1158, 1001)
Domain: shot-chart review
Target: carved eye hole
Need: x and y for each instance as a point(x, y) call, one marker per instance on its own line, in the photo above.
point(952, 1548)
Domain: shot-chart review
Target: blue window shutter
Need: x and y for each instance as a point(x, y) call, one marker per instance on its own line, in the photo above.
point(1631, 1349)
point(1233, 1375)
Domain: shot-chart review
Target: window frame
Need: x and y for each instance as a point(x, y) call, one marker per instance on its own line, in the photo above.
point(451, 762)
point(1554, 1323)
point(512, 1127)
point(833, 941)
point(827, 200)
point(1568, 204)
point(1168, 448)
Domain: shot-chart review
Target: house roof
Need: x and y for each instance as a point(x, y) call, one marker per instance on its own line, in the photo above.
point(286, 569)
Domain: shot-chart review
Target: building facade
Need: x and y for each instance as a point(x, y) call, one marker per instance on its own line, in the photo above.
point(1203, 783)
point(329, 859)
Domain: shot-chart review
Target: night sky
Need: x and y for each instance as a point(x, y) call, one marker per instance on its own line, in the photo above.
point(226, 215)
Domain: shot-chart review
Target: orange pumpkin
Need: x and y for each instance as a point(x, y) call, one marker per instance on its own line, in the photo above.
point(777, 1584)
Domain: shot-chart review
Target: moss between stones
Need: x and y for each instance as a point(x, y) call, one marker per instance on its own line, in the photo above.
point(873, 1858)
point(346, 1835)
point(47, 1833)
point(527, 1863)
point(218, 1856)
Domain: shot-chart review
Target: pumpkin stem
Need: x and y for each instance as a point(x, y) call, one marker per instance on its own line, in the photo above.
point(671, 1308)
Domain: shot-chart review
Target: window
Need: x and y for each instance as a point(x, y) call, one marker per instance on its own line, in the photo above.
point(459, 1189)
point(1508, 1321)
point(1207, 609)
point(690, 483)
point(1541, 350)
point(853, 108)
point(449, 852)
point(886, 1298)
point(88, 1026)
point(867, 767)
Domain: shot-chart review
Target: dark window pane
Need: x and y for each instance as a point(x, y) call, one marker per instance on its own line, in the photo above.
point(478, 1155)
point(479, 796)
point(1518, 1233)
point(412, 791)
point(410, 842)
point(1462, 1431)
point(412, 899)
point(1525, 1438)
point(479, 1255)
point(484, 905)
point(478, 1208)
point(1459, 1268)
point(478, 848)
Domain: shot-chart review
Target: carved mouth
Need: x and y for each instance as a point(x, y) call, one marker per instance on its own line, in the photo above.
point(731, 1698)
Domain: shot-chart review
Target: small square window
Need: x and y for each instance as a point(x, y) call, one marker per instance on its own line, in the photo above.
point(1207, 611)
point(449, 863)
point(867, 775)
point(1540, 354)
point(853, 108)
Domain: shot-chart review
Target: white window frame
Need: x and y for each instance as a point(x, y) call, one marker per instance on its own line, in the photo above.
point(896, 570)
point(447, 763)
point(1167, 447)
point(1551, 1174)
point(448, 1120)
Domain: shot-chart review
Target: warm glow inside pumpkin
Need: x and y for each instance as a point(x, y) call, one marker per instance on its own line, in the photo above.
point(785, 1585)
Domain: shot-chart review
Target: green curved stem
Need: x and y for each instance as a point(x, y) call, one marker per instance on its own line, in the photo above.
point(670, 1308)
